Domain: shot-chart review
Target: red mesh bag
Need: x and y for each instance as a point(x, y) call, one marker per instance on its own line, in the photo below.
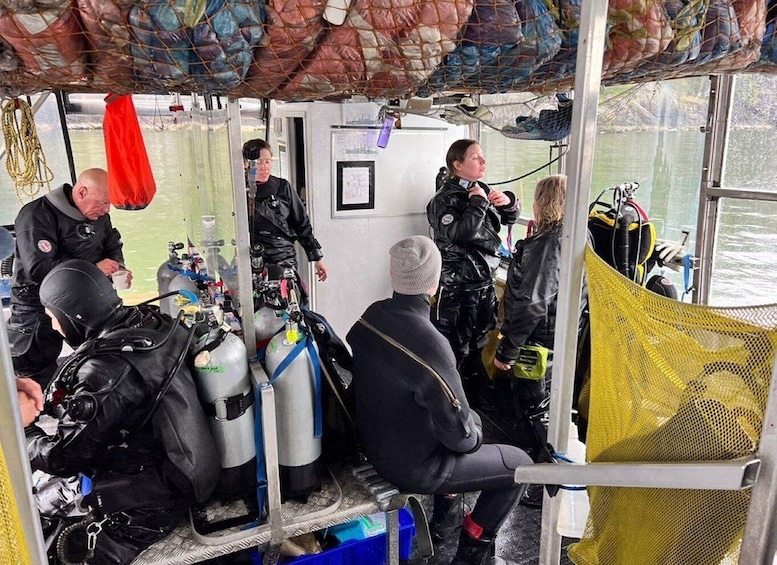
point(130, 179)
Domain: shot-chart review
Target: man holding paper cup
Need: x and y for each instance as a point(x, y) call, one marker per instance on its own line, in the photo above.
point(70, 222)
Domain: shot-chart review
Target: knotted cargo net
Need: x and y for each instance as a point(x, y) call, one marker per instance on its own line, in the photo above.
point(670, 381)
point(13, 549)
point(292, 50)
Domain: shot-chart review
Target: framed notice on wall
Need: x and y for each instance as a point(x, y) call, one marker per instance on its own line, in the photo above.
point(355, 185)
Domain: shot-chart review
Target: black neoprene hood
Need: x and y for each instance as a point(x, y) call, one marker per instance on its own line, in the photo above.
point(81, 297)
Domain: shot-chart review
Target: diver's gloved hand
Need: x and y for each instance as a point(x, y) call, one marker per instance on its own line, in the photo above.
point(670, 253)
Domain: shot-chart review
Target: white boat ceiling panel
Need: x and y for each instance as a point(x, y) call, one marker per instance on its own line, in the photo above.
point(287, 50)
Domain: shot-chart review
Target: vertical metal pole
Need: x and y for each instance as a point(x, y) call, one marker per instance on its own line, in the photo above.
point(713, 164)
point(590, 53)
point(242, 239)
point(759, 543)
point(66, 135)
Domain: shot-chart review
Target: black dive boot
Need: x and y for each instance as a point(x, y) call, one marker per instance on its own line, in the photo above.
point(477, 552)
point(447, 516)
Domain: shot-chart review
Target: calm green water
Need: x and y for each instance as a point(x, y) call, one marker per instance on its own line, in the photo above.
point(666, 164)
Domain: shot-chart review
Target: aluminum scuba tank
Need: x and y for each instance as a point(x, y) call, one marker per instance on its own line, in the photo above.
point(178, 282)
point(299, 450)
point(224, 387)
point(266, 325)
point(164, 274)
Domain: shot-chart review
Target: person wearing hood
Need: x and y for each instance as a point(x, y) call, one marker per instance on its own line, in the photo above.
point(412, 415)
point(127, 413)
point(70, 222)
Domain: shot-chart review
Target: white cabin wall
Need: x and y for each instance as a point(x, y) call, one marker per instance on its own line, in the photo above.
point(356, 243)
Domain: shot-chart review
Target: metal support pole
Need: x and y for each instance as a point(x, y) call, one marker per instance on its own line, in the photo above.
point(66, 136)
point(590, 53)
point(242, 239)
point(716, 135)
point(759, 543)
point(734, 474)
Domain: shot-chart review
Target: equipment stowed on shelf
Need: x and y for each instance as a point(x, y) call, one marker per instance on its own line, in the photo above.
point(292, 361)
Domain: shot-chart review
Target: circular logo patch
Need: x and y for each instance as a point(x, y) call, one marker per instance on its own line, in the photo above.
point(44, 245)
point(447, 219)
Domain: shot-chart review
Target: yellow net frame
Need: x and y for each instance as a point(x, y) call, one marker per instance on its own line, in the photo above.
point(670, 381)
point(13, 549)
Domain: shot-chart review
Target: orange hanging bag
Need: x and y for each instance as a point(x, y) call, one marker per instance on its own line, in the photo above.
point(130, 179)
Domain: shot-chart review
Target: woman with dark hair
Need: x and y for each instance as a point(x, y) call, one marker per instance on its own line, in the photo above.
point(530, 309)
point(465, 215)
point(277, 216)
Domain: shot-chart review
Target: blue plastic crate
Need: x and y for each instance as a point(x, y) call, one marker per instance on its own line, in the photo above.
point(367, 551)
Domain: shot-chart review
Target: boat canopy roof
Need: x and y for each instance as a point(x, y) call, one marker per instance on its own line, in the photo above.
point(294, 50)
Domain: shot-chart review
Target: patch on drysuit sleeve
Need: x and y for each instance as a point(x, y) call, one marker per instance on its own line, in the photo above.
point(45, 246)
point(447, 219)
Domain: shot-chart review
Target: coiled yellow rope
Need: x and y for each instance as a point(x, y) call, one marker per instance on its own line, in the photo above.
point(25, 161)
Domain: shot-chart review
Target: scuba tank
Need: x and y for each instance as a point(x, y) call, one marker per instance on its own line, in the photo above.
point(179, 282)
point(266, 324)
point(224, 386)
point(164, 274)
point(267, 302)
point(299, 450)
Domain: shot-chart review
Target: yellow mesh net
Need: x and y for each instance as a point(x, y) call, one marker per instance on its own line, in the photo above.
point(13, 550)
point(670, 381)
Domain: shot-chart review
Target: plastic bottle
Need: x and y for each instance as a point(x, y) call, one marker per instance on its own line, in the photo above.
point(574, 506)
point(385, 132)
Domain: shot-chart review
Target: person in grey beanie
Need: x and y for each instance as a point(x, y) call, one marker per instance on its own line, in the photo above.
point(412, 416)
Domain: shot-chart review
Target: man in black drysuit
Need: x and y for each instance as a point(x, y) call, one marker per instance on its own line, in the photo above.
point(128, 416)
point(67, 223)
point(412, 416)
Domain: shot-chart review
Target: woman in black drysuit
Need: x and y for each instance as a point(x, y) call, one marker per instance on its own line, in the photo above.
point(465, 216)
point(149, 456)
point(530, 307)
point(276, 214)
point(412, 415)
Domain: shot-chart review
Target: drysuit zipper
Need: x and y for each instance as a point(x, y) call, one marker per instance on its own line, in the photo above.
point(455, 402)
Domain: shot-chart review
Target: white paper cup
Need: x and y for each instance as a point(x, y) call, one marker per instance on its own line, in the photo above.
point(120, 281)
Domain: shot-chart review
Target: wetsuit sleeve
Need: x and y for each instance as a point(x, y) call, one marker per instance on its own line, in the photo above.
point(117, 392)
point(112, 248)
point(36, 241)
point(459, 431)
point(453, 223)
point(299, 222)
point(508, 214)
point(532, 284)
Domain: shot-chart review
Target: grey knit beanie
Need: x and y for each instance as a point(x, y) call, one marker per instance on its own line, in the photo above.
point(415, 265)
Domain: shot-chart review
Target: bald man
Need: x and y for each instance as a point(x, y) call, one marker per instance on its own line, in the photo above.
point(70, 222)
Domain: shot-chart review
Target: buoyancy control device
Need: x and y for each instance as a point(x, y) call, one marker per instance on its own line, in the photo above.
point(622, 233)
point(224, 387)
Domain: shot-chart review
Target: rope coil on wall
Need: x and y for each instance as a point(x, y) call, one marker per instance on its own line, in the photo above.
point(25, 161)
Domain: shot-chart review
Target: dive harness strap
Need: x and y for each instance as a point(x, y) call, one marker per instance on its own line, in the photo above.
point(229, 408)
point(306, 343)
point(446, 389)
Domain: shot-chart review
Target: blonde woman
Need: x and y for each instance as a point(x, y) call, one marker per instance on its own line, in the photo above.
point(530, 307)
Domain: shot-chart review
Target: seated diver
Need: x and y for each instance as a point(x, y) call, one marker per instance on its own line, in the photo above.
point(412, 416)
point(128, 417)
